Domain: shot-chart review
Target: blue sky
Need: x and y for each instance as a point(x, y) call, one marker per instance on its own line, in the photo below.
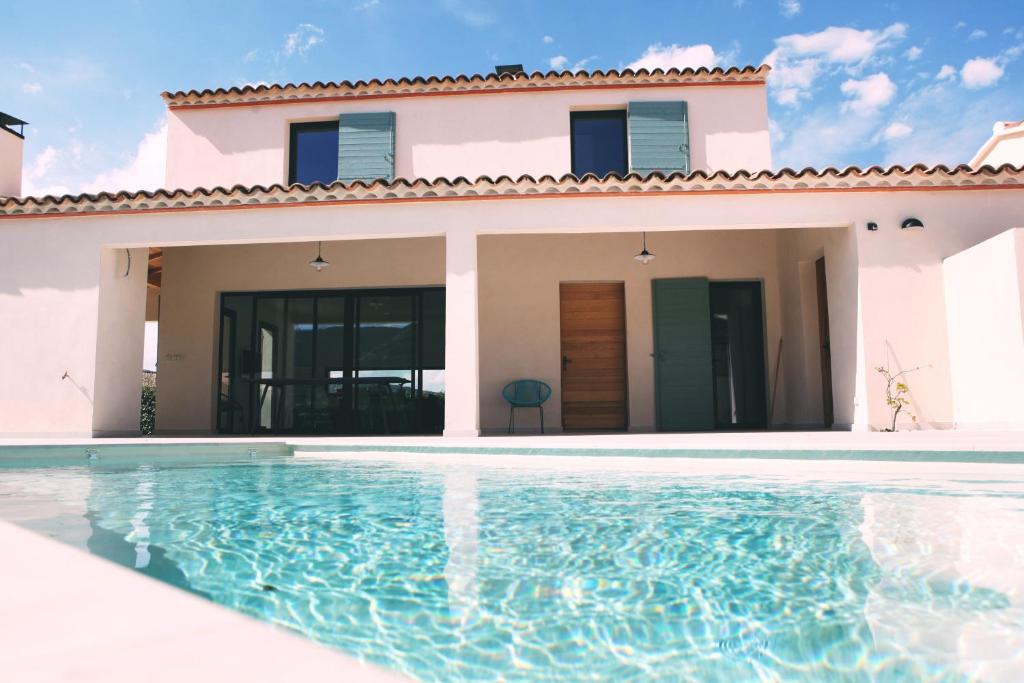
point(861, 82)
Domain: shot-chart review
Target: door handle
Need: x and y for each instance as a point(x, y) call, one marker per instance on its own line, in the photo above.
point(565, 363)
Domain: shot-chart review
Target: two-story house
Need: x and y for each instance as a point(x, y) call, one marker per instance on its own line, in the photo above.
point(384, 257)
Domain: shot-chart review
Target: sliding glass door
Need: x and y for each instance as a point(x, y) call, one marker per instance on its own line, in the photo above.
point(332, 362)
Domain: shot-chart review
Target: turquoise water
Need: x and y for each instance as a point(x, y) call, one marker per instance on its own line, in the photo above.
point(485, 574)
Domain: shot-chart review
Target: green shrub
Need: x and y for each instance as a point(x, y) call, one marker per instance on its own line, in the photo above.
point(147, 421)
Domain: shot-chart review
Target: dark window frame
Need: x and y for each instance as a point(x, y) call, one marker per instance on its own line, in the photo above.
point(350, 295)
point(598, 114)
point(294, 129)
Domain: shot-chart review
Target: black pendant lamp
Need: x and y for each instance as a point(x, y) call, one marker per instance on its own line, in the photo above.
point(644, 257)
point(319, 263)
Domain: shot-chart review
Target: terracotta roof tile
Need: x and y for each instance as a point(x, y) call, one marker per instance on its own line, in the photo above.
point(475, 83)
point(830, 179)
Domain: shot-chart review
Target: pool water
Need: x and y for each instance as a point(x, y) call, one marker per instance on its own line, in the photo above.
point(464, 573)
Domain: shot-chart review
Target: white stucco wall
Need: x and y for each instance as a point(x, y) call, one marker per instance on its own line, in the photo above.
point(519, 305)
point(902, 290)
point(1006, 146)
point(798, 250)
point(984, 287)
point(463, 135)
point(11, 149)
point(50, 306)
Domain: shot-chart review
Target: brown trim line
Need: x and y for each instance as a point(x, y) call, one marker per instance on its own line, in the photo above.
point(437, 93)
point(543, 195)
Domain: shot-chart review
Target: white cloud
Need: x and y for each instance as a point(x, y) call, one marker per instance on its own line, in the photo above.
point(559, 62)
point(739, 3)
point(36, 172)
point(868, 95)
point(824, 138)
point(250, 56)
point(789, 8)
point(949, 124)
point(144, 170)
point(303, 39)
point(842, 44)
point(33, 88)
point(959, 25)
point(799, 59)
point(470, 12)
point(946, 72)
point(665, 57)
point(548, 40)
point(367, 4)
point(977, 34)
point(980, 73)
point(913, 53)
point(897, 130)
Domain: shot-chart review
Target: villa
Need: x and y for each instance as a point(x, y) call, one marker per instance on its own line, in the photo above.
point(384, 257)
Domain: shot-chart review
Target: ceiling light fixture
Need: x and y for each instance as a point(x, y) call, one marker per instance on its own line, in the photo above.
point(644, 257)
point(319, 263)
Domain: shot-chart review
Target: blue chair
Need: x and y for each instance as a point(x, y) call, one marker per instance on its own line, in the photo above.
point(525, 393)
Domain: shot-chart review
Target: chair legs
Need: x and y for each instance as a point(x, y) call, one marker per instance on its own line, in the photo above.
point(512, 419)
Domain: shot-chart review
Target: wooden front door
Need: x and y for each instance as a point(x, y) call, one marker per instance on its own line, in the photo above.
point(593, 322)
point(826, 347)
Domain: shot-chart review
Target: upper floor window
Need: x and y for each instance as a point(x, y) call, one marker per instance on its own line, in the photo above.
point(314, 152)
point(598, 142)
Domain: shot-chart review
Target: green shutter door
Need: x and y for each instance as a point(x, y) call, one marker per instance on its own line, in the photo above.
point(659, 137)
point(366, 146)
point(684, 392)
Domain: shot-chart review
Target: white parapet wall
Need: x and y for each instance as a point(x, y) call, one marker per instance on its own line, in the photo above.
point(984, 288)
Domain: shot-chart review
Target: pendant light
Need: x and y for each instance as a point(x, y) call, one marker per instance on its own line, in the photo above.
point(319, 263)
point(644, 257)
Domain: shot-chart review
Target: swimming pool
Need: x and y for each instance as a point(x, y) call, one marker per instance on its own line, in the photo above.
point(476, 572)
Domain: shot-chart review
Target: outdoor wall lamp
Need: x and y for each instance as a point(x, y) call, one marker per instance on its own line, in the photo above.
point(911, 223)
point(644, 257)
point(872, 226)
point(318, 264)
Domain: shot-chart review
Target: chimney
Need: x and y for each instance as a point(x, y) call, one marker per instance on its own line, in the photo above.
point(512, 69)
point(12, 138)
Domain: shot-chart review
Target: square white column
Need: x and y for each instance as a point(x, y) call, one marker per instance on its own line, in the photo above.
point(461, 345)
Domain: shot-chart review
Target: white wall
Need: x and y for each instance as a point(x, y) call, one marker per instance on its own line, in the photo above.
point(984, 288)
point(1006, 146)
point(49, 274)
point(465, 135)
point(519, 305)
point(10, 163)
point(798, 250)
point(120, 335)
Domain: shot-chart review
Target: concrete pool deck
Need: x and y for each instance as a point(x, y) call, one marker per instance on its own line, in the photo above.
point(66, 615)
point(922, 445)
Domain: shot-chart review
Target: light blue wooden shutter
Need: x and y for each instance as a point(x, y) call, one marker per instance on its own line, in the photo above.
point(659, 137)
point(683, 380)
point(366, 146)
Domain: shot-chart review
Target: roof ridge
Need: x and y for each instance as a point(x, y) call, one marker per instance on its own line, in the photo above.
point(490, 81)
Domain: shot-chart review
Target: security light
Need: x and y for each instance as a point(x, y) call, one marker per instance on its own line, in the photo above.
point(912, 223)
